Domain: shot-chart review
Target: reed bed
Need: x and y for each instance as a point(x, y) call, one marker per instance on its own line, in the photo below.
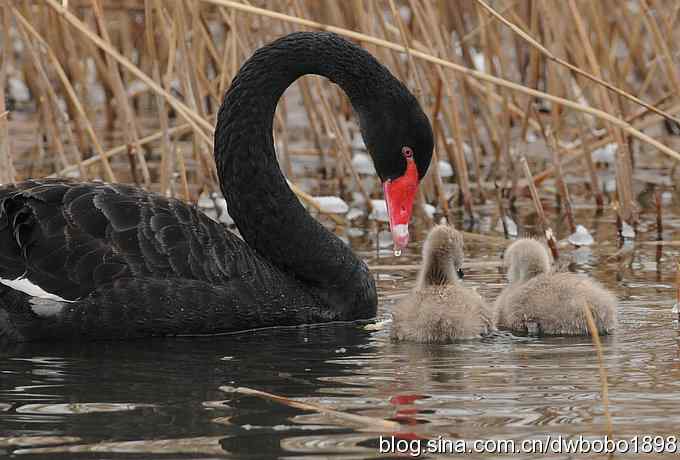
point(528, 99)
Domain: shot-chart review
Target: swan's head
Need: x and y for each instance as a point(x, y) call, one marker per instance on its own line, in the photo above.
point(524, 259)
point(442, 256)
point(399, 137)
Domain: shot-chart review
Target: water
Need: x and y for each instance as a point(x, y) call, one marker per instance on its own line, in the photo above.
point(161, 398)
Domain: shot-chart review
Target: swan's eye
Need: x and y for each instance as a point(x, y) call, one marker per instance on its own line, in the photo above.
point(460, 273)
point(407, 152)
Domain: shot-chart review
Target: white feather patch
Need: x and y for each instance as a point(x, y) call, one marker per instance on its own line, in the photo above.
point(45, 307)
point(26, 286)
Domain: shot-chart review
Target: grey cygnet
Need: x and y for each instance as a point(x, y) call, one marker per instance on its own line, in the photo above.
point(539, 301)
point(441, 309)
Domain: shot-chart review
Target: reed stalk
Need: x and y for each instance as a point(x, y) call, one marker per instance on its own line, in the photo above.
point(347, 417)
point(542, 221)
point(604, 386)
point(7, 172)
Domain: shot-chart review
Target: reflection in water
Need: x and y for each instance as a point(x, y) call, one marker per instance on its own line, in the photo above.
point(184, 375)
point(161, 397)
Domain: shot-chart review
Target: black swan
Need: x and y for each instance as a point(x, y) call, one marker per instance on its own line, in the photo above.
point(90, 260)
point(440, 309)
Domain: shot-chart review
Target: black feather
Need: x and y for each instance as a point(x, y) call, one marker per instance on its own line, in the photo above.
point(85, 215)
point(122, 212)
point(110, 271)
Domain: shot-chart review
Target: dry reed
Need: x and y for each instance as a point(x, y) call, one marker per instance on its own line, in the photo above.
point(354, 419)
point(597, 344)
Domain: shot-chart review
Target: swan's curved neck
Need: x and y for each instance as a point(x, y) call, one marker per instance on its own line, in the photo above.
point(265, 210)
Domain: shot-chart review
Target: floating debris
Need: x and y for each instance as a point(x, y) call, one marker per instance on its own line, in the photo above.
point(353, 232)
point(666, 198)
point(478, 60)
point(363, 164)
point(136, 87)
point(384, 239)
point(445, 169)
point(627, 231)
point(379, 212)
point(609, 185)
point(378, 325)
point(354, 214)
point(358, 198)
point(354, 419)
point(405, 13)
point(605, 154)
point(581, 237)
point(18, 90)
point(429, 210)
point(332, 204)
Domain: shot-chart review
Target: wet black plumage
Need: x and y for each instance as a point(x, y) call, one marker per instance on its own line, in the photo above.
point(132, 263)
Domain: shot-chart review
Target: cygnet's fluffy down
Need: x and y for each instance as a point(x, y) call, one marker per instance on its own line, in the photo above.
point(540, 302)
point(440, 309)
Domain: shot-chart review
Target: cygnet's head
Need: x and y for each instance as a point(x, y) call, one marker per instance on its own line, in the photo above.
point(524, 259)
point(442, 256)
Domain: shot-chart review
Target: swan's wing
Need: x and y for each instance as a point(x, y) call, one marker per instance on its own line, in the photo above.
point(67, 238)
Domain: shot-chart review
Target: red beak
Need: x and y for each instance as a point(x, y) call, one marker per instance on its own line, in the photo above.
point(399, 196)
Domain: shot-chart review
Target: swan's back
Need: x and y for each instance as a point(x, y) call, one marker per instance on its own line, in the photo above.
point(113, 261)
point(540, 302)
point(440, 309)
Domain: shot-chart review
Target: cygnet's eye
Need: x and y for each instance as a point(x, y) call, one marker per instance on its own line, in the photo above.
point(460, 273)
